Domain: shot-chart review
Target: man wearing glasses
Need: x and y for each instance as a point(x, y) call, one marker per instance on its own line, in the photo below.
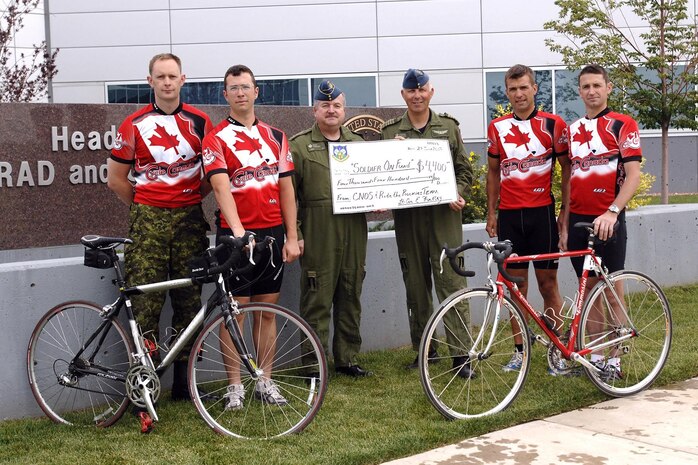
point(249, 166)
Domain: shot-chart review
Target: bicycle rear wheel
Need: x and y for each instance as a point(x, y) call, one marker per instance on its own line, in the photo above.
point(299, 373)
point(64, 392)
point(486, 341)
point(641, 357)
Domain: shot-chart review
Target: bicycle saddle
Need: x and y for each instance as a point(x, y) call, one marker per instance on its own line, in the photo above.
point(92, 241)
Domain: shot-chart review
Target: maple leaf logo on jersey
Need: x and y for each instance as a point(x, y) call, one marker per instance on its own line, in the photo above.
point(118, 141)
point(632, 141)
point(517, 137)
point(564, 137)
point(163, 139)
point(245, 142)
point(208, 156)
point(583, 136)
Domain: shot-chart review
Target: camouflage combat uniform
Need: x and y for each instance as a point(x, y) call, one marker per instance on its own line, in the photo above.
point(164, 240)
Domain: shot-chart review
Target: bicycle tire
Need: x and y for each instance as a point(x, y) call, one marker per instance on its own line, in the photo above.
point(64, 395)
point(492, 389)
point(299, 371)
point(643, 356)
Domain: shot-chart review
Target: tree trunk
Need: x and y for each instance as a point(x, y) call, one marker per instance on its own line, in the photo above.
point(665, 163)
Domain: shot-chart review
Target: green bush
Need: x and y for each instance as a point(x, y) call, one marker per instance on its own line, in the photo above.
point(475, 210)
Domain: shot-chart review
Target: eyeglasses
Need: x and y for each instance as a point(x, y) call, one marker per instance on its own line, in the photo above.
point(244, 88)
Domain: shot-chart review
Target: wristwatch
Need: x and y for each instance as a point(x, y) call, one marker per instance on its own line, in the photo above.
point(614, 208)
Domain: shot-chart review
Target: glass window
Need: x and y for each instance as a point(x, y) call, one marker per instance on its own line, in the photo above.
point(203, 93)
point(360, 91)
point(129, 93)
point(291, 92)
point(568, 104)
point(496, 92)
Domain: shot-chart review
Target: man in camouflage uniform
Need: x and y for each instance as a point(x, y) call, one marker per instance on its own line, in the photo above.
point(161, 145)
point(421, 232)
point(333, 247)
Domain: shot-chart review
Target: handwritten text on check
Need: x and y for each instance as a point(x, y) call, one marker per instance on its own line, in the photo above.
point(377, 175)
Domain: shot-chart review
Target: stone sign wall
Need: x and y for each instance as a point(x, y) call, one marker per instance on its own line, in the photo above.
point(53, 167)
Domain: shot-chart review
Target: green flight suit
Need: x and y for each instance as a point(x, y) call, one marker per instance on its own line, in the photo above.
point(420, 233)
point(334, 259)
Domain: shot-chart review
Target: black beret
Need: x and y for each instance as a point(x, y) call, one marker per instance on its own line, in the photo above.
point(327, 91)
point(414, 79)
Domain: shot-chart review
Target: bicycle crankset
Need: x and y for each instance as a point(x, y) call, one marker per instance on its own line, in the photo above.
point(559, 365)
point(139, 378)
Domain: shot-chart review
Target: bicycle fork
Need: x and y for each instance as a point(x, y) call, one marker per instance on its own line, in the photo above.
point(230, 311)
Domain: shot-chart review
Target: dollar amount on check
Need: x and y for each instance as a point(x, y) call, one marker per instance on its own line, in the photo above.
point(391, 174)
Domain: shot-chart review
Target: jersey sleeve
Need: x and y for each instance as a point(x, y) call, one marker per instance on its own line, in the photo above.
point(561, 142)
point(492, 141)
point(286, 166)
point(629, 141)
point(124, 149)
point(213, 156)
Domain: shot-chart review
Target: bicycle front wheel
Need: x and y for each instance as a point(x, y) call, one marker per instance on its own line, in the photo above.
point(631, 339)
point(85, 390)
point(291, 377)
point(465, 352)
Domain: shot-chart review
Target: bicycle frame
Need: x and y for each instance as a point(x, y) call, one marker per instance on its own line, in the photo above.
point(591, 263)
point(220, 297)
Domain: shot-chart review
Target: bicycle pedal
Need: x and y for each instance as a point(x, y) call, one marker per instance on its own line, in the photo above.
point(146, 422)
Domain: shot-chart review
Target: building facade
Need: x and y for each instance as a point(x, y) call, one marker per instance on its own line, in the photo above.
point(363, 45)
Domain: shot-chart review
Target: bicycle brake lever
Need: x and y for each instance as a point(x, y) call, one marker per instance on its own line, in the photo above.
point(250, 247)
point(441, 260)
point(271, 255)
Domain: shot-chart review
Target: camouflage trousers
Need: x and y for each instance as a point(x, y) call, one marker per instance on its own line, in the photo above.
point(164, 240)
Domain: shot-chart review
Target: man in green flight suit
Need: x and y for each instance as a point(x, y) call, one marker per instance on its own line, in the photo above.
point(421, 232)
point(333, 247)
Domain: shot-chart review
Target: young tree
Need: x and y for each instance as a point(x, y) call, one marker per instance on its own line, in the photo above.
point(654, 71)
point(23, 78)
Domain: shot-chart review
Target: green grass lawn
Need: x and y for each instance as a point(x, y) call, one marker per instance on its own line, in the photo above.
point(367, 421)
point(654, 199)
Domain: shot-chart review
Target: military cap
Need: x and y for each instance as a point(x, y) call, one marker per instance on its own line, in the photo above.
point(414, 79)
point(327, 91)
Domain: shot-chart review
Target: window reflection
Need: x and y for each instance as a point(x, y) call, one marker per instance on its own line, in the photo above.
point(568, 104)
point(360, 91)
point(496, 92)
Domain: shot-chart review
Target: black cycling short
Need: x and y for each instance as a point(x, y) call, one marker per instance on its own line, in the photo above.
point(531, 231)
point(265, 278)
point(612, 252)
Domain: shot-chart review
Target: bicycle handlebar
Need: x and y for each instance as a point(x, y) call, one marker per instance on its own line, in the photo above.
point(236, 245)
point(499, 250)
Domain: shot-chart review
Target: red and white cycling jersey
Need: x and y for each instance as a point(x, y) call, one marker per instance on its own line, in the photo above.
point(599, 147)
point(165, 151)
point(527, 150)
point(253, 159)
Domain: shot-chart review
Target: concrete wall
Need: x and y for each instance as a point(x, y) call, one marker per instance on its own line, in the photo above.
point(658, 239)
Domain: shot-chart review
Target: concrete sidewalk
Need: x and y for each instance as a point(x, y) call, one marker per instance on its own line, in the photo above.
point(655, 426)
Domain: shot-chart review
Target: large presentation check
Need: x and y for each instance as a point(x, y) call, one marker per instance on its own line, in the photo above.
point(391, 174)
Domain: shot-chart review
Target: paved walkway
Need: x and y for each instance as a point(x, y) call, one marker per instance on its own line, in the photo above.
point(658, 426)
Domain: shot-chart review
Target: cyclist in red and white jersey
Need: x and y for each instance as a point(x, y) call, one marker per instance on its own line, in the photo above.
point(160, 144)
point(522, 150)
point(606, 155)
point(250, 168)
